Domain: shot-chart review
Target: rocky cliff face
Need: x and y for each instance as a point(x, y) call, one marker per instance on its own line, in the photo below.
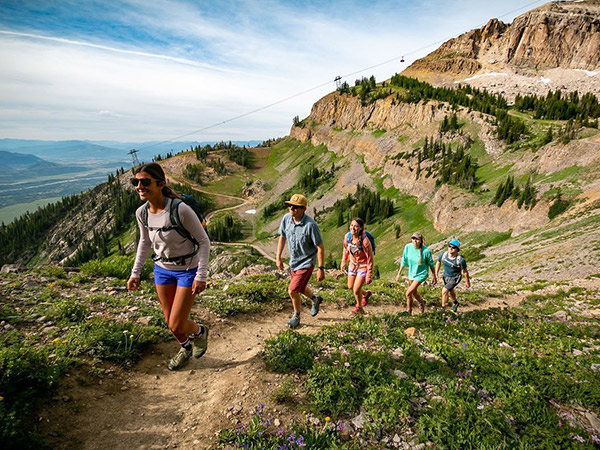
point(346, 127)
point(558, 35)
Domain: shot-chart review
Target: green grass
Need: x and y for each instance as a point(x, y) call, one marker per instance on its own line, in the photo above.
point(568, 173)
point(378, 133)
point(12, 212)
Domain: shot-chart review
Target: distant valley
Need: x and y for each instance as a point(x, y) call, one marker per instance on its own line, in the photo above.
point(37, 172)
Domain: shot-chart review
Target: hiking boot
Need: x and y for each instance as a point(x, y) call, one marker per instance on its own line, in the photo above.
point(455, 306)
point(200, 343)
point(294, 322)
point(358, 310)
point(314, 309)
point(366, 296)
point(180, 359)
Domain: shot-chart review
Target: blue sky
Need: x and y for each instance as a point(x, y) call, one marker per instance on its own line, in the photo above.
point(134, 70)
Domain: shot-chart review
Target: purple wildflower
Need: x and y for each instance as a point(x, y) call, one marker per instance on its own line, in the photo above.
point(291, 437)
point(578, 438)
point(595, 439)
point(346, 365)
point(341, 427)
point(300, 441)
point(280, 432)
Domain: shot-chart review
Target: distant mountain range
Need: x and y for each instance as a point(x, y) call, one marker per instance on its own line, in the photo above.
point(110, 153)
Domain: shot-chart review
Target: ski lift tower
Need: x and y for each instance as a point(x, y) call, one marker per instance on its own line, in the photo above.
point(136, 161)
point(338, 82)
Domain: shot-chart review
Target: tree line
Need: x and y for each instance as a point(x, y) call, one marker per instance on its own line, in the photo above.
point(225, 229)
point(366, 204)
point(558, 106)
point(508, 189)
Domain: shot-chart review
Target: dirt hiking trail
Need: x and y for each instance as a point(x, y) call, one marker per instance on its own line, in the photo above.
point(150, 407)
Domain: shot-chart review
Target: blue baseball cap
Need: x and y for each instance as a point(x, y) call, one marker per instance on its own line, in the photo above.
point(455, 243)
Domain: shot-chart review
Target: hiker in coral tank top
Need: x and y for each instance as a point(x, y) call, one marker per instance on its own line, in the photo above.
point(358, 253)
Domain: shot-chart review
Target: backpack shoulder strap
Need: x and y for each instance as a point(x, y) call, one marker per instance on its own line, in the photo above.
point(348, 238)
point(144, 215)
point(176, 221)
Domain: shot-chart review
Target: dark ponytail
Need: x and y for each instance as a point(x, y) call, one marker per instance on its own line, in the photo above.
point(156, 171)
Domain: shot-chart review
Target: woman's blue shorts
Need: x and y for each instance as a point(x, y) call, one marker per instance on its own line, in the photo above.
point(183, 278)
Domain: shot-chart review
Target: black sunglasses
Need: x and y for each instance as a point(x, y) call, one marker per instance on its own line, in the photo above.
point(415, 239)
point(145, 181)
point(295, 207)
point(453, 246)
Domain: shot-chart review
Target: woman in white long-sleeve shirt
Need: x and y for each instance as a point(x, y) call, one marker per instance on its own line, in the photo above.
point(180, 264)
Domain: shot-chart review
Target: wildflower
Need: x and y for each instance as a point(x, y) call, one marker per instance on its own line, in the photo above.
point(335, 363)
point(479, 407)
point(291, 437)
point(327, 419)
point(578, 438)
point(595, 439)
point(56, 340)
point(304, 412)
point(465, 345)
point(280, 432)
point(300, 441)
point(341, 426)
point(1, 398)
point(64, 341)
point(346, 365)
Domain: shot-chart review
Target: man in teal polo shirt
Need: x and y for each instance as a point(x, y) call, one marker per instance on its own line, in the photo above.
point(305, 248)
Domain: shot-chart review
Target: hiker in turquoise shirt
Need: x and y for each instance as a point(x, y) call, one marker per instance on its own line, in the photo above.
point(419, 260)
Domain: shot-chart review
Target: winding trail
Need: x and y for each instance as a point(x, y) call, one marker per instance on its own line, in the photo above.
point(244, 203)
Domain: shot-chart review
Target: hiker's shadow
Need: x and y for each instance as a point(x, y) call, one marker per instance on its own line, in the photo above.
point(208, 362)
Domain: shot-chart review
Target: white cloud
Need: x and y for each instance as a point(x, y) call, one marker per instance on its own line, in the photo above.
point(206, 66)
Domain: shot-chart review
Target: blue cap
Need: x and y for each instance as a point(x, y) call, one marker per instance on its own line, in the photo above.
point(455, 242)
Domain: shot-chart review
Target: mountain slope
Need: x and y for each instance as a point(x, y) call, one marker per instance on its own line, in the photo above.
point(554, 46)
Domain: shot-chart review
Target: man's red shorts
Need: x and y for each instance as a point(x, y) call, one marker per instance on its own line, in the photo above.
point(300, 279)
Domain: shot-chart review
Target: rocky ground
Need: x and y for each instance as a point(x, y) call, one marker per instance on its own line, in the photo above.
point(151, 407)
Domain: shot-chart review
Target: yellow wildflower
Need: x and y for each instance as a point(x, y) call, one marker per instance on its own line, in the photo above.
point(1, 398)
point(327, 419)
point(56, 340)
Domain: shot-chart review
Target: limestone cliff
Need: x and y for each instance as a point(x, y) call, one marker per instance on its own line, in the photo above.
point(560, 37)
point(378, 132)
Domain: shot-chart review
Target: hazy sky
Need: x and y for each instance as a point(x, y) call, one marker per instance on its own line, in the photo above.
point(138, 70)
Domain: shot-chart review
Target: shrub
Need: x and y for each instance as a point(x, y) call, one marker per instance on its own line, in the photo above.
point(290, 351)
point(67, 310)
point(331, 389)
point(114, 266)
point(118, 342)
point(387, 404)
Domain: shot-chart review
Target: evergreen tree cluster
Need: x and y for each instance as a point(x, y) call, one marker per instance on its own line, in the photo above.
point(225, 229)
point(312, 178)
point(193, 172)
point(219, 165)
point(366, 89)
point(450, 124)
point(509, 128)
point(448, 166)
point(26, 234)
point(366, 204)
point(201, 151)
point(509, 190)
point(235, 153)
point(555, 106)
point(122, 207)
